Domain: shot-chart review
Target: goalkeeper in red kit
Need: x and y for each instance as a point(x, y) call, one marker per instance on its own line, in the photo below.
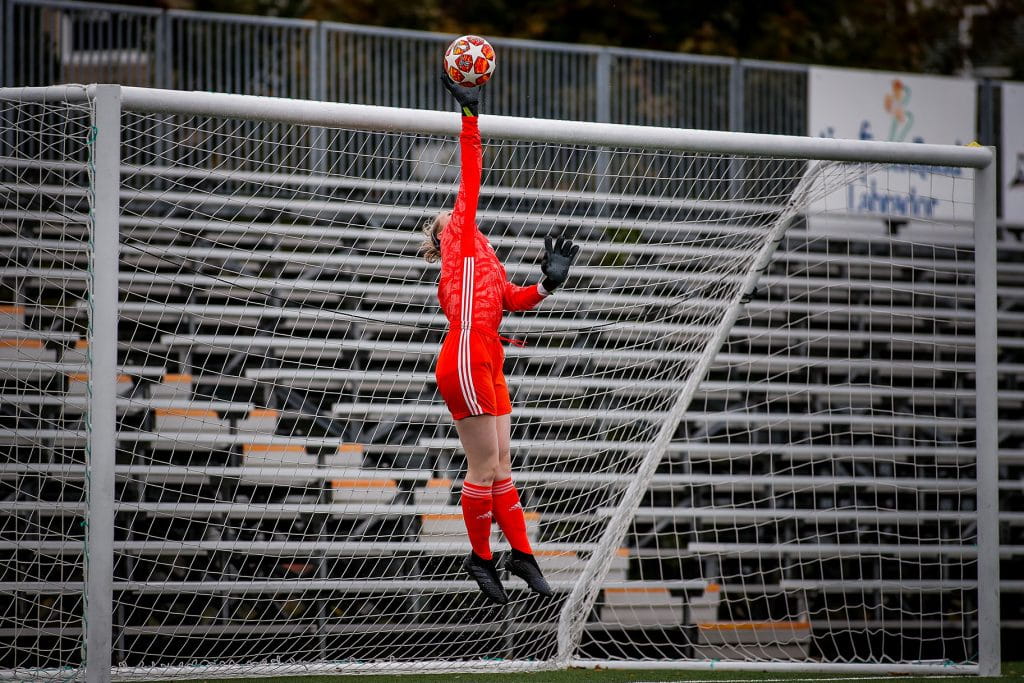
point(473, 292)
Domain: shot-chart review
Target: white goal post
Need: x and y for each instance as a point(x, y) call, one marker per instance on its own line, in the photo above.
point(222, 232)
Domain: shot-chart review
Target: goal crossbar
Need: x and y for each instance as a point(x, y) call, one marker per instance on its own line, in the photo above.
point(400, 120)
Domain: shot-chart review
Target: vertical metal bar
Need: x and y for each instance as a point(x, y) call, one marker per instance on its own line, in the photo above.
point(8, 34)
point(192, 50)
point(577, 72)
point(325, 44)
point(44, 70)
point(207, 46)
point(102, 424)
point(90, 36)
point(400, 91)
point(603, 86)
point(356, 52)
point(107, 34)
point(737, 79)
point(986, 113)
point(268, 43)
point(276, 38)
point(318, 91)
point(737, 73)
point(315, 63)
point(170, 51)
point(987, 409)
point(36, 71)
point(160, 50)
point(134, 44)
point(372, 84)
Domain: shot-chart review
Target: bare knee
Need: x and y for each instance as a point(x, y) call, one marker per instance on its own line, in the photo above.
point(482, 467)
point(482, 474)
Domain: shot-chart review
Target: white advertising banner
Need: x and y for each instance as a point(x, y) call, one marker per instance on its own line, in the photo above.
point(896, 107)
point(1012, 153)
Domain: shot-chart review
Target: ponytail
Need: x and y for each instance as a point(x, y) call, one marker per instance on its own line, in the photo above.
point(430, 248)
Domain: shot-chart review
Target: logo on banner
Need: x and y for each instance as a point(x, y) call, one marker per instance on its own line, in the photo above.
point(896, 102)
point(907, 200)
point(899, 108)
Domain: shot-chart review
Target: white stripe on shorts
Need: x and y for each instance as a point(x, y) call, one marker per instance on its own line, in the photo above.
point(464, 365)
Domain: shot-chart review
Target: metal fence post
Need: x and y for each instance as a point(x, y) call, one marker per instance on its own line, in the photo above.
point(603, 86)
point(318, 92)
point(317, 62)
point(736, 76)
point(102, 426)
point(986, 387)
point(603, 114)
point(736, 124)
point(8, 49)
point(986, 112)
point(163, 43)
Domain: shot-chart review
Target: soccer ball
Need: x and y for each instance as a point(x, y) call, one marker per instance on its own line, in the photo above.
point(469, 61)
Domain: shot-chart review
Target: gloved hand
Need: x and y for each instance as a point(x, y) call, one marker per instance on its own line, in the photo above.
point(559, 254)
point(468, 98)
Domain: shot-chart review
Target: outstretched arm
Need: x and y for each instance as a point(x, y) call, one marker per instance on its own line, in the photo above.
point(471, 158)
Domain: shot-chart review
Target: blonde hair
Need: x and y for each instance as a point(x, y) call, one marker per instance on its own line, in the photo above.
point(430, 248)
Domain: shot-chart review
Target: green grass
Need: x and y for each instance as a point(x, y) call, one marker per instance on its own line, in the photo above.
point(1012, 671)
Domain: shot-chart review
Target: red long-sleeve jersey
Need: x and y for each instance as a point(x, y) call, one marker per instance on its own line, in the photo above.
point(474, 289)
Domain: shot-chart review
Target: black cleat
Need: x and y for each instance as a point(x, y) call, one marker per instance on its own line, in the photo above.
point(524, 565)
point(485, 573)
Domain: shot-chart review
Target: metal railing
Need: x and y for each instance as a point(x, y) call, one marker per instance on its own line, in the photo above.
point(47, 42)
point(58, 41)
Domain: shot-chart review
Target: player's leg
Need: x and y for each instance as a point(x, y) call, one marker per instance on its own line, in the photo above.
point(508, 511)
point(467, 391)
point(480, 444)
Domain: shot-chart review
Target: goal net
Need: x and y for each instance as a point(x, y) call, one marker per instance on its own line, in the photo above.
point(743, 432)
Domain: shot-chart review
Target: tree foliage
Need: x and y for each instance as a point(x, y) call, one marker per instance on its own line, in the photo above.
point(906, 35)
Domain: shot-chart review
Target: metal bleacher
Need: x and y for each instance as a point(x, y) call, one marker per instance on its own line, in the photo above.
point(265, 452)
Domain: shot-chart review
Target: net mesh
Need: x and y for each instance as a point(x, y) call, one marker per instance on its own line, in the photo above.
point(288, 476)
point(43, 318)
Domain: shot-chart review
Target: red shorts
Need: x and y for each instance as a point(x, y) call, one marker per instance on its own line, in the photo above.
point(469, 375)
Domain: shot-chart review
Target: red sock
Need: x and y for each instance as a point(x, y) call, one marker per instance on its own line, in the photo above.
point(476, 512)
point(508, 513)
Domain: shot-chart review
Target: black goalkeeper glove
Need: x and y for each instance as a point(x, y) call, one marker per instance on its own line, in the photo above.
point(468, 98)
point(559, 253)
